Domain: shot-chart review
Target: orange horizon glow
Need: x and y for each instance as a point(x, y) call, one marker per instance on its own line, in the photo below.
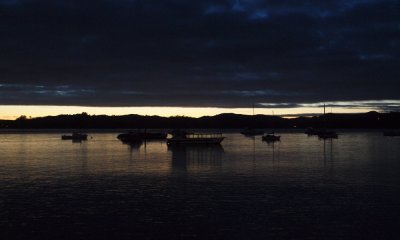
point(11, 112)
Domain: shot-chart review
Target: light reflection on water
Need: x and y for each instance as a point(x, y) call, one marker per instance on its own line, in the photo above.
point(301, 187)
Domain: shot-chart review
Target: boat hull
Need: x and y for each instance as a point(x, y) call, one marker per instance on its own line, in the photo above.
point(75, 138)
point(271, 138)
point(328, 135)
point(252, 132)
point(199, 141)
point(391, 133)
point(312, 131)
point(135, 137)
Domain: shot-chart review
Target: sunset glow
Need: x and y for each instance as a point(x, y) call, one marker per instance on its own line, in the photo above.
point(13, 112)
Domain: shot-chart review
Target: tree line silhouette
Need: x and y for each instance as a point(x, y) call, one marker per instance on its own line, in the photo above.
point(221, 121)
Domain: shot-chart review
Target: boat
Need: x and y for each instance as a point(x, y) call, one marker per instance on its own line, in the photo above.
point(317, 132)
point(391, 133)
point(75, 137)
point(252, 132)
point(312, 131)
point(271, 137)
point(141, 136)
point(327, 134)
point(182, 137)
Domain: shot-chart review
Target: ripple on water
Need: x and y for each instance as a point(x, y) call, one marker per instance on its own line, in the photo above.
point(299, 188)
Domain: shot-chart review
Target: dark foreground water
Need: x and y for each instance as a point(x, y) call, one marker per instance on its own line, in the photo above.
point(300, 188)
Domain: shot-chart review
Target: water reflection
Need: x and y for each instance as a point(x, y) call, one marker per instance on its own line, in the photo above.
point(196, 157)
point(133, 145)
point(272, 148)
point(328, 150)
point(83, 157)
point(272, 145)
point(300, 188)
point(328, 156)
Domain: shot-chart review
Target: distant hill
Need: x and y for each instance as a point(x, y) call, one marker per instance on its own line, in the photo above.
point(221, 121)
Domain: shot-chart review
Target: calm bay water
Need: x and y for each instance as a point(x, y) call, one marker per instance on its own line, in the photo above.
point(299, 188)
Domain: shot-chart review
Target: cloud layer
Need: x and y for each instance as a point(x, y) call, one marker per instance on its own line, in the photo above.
point(225, 53)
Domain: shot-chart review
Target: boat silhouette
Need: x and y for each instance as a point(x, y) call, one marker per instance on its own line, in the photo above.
point(75, 136)
point(137, 136)
point(183, 137)
point(271, 137)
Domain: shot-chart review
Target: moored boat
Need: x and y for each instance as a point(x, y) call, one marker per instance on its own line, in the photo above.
point(252, 132)
point(327, 134)
point(75, 137)
point(391, 133)
point(312, 131)
point(182, 137)
point(249, 131)
point(271, 137)
point(141, 136)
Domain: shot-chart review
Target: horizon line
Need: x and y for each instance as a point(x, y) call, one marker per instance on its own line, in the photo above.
point(289, 116)
point(12, 112)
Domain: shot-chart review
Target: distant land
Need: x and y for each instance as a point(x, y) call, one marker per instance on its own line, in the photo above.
point(372, 120)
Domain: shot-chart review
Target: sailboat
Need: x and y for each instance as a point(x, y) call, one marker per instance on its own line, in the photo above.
point(252, 131)
point(391, 133)
point(271, 137)
point(326, 134)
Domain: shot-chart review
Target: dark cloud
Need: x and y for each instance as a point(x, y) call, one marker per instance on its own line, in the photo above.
point(227, 53)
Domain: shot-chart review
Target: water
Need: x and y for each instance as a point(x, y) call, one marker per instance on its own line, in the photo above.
point(299, 188)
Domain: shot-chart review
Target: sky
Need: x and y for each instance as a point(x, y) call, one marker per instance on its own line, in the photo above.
point(181, 57)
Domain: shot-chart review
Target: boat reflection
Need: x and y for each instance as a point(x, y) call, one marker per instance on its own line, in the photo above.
point(329, 162)
point(137, 145)
point(196, 157)
point(273, 148)
point(133, 145)
point(328, 149)
point(77, 141)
